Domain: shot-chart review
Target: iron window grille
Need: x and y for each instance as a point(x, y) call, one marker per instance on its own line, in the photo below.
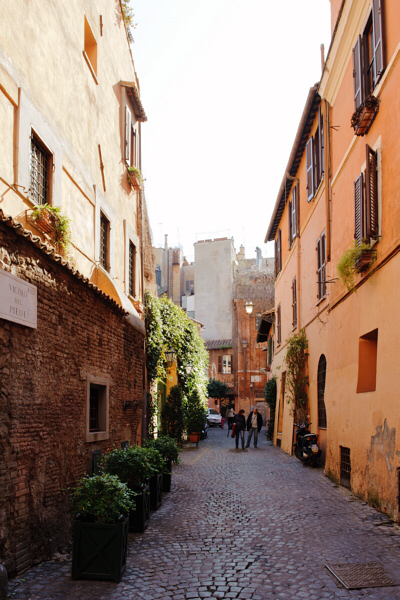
point(104, 236)
point(39, 172)
point(94, 420)
point(345, 466)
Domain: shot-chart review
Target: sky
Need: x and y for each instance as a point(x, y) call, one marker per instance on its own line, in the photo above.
point(223, 84)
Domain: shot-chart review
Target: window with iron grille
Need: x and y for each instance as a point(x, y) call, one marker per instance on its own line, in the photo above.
point(321, 378)
point(345, 466)
point(40, 162)
point(104, 241)
point(321, 272)
point(132, 268)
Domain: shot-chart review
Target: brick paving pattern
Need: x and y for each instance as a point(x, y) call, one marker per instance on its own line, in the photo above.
point(253, 525)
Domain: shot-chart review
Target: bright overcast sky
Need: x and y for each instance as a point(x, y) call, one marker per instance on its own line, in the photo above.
point(223, 84)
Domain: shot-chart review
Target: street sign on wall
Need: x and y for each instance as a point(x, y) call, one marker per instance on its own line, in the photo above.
point(18, 300)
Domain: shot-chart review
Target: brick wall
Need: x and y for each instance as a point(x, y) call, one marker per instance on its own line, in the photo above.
point(43, 381)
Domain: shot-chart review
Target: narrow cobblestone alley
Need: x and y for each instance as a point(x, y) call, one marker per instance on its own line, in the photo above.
point(255, 525)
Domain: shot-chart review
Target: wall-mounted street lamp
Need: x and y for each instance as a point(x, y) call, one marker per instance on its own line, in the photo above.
point(249, 307)
point(170, 356)
point(244, 344)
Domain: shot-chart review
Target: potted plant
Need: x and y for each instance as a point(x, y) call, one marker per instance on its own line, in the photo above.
point(51, 220)
point(132, 465)
point(156, 480)
point(196, 417)
point(100, 534)
point(355, 260)
point(135, 177)
point(169, 450)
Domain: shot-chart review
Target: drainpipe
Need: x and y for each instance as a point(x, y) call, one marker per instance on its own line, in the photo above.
point(144, 399)
point(328, 190)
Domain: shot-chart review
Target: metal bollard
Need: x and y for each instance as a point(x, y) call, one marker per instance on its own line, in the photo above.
point(3, 583)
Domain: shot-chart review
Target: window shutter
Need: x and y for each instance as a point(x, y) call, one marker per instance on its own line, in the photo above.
point(357, 73)
point(358, 209)
point(321, 143)
point(279, 250)
point(219, 364)
point(290, 222)
point(371, 196)
point(128, 139)
point(310, 169)
point(378, 38)
point(294, 211)
point(294, 302)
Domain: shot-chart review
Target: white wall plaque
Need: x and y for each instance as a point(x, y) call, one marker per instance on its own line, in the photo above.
point(18, 300)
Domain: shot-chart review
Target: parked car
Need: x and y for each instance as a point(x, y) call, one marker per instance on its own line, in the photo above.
point(214, 418)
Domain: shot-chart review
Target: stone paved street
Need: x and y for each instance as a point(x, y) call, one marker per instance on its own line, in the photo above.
point(254, 525)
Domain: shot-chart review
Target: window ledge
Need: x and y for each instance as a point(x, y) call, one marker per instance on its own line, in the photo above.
point(97, 436)
point(89, 64)
point(321, 300)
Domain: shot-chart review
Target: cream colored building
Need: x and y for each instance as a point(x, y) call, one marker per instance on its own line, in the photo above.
point(71, 115)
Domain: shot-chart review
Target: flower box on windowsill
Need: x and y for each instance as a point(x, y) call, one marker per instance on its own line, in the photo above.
point(135, 178)
point(46, 222)
point(364, 116)
point(365, 260)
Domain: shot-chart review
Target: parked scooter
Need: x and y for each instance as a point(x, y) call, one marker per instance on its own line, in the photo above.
point(306, 447)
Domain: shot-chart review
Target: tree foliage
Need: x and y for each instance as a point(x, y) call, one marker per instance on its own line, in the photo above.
point(217, 389)
point(270, 399)
point(172, 415)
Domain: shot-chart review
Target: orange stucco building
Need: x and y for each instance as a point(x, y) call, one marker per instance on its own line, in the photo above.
point(339, 190)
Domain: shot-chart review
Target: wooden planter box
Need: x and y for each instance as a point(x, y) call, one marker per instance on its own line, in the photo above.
point(364, 261)
point(156, 487)
point(134, 181)
point(364, 116)
point(139, 518)
point(99, 550)
point(46, 222)
point(167, 477)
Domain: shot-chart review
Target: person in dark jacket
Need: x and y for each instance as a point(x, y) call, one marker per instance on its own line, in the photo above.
point(240, 426)
point(254, 424)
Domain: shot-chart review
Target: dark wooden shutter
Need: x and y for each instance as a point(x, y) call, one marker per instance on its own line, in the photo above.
point(357, 73)
point(278, 325)
point(294, 210)
point(219, 364)
point(377, 19)
point(371, 194)
point(321, 143)
point(358, 208)
point(310, 169)
point(290, 222)
point(294, 303)
point(278, 253)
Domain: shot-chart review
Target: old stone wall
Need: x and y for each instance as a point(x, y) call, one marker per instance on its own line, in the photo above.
point(43, 398)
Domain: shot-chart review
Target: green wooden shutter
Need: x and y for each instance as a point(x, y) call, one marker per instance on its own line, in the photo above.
point(377, 19)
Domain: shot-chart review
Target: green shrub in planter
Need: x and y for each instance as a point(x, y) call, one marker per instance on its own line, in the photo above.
point(167, 446)
point(100, 537)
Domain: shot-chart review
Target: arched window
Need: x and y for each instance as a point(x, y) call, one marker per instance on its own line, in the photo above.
point(321, 392)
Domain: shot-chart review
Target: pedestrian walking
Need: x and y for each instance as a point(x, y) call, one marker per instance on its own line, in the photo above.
point(230, 416)
point(240, 426)
point(254, 424)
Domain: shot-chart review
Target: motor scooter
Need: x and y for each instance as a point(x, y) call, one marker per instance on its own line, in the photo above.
point(306, 446)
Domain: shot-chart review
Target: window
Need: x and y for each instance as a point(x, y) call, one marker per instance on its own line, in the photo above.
point(40, 171)
point(367, 360)
point(131, 140)
point(345, 466)
point(90, 49)
point(97, 409)
point(132, 268)
point(321, 378)
point(278, 253)
point(189, 287)
point(293, 211)
point(278, 325)
point(315, 158)
point(368, 56)
point(366, 224)
point(294, 303)
point(225, 363)
point(321, 272)
point(104, 241)
point(257, 320)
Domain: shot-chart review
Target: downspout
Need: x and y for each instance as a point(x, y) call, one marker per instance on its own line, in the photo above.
point(328, 189)
point(141, 198)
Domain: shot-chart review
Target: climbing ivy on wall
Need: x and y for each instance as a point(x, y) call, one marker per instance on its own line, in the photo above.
point(169, 328)
point(296, 378)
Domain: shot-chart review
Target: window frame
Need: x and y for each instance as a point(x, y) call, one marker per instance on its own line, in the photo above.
point(278, 326)
point(132, 258)
point(49, 161)
point(293, 208)
point(104, 260)
point(294, 303)
point(227, 364)
point(315, 161)
point(366, 201)
point(278, 253)
point(103, 385)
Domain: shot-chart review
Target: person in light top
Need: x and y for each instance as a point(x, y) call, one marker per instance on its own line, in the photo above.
point(254, 424)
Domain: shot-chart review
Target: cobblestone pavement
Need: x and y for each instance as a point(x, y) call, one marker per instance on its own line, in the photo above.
point(253, 525)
